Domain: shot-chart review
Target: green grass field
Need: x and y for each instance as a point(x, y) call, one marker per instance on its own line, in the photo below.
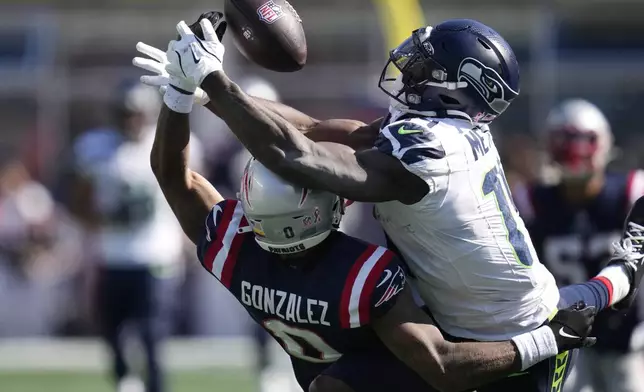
point(219, 380)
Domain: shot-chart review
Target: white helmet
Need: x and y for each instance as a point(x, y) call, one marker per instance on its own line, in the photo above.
point(286, 218)
point(579, 138)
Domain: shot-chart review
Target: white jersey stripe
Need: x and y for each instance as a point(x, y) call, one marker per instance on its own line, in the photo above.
point(358, 286)
point(395, 144)
point(231, 232)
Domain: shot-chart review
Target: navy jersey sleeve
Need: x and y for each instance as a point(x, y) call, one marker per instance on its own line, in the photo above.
point(372, 288)
point(412, 142)
point(221, 239)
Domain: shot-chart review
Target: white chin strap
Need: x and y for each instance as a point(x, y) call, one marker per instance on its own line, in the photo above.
point(293, 247)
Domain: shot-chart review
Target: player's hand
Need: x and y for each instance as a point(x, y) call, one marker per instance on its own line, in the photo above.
point(193, 58)
point(572, 327)
point(160, 78)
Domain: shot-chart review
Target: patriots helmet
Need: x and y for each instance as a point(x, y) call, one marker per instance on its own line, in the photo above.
point(579, 140)
point(286, 218)
point(459, 64)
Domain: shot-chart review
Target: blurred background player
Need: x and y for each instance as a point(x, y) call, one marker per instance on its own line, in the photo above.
point(39, 255)
point(134, 238)
point(573, 218)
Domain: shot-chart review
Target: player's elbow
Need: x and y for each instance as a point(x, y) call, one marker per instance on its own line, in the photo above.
point(436, 372)
point(170, 177)
point(445, 379)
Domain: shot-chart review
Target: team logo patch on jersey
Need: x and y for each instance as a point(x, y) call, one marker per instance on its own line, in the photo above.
point(396, 283)
point(270, 12)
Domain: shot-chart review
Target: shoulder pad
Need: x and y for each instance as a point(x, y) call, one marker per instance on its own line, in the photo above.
point(219, 244)
point(411, 141)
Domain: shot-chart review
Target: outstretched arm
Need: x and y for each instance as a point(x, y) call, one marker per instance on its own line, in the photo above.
point(364, 176)
point(410, 334)
point(352, 133)
point(190, 196)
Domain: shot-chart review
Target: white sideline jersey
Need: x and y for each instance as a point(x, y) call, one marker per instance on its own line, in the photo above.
point(470, 255)
point(137, 225)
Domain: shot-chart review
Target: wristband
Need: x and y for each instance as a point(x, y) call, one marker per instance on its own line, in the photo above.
point(178, 101)
point(535, 346)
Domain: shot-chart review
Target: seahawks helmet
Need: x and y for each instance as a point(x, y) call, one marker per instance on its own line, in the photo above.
point(579, 140)
point(459, 65)
point(286, 218)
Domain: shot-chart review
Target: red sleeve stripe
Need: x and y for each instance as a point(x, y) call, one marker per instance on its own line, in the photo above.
point(345, 317)
point(635, 186)
point(218, 252)
point(220, 227)
point(609, 287)
point(356, 317)
point(364, 308)
point(231, 260)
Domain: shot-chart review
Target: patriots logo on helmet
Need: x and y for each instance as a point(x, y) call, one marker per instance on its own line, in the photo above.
point(488, 83)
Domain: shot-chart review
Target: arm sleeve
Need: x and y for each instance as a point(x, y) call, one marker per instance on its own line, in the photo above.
point(373, 286)
point(390, 284)
point(413, 143)
point(222, 220)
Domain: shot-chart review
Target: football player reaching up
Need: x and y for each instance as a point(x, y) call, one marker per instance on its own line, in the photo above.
point(573, 223)
point(434, 172)
point(339, 306)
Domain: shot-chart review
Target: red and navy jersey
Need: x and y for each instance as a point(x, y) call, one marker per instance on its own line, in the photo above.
point(574, 241)
point(318, 306)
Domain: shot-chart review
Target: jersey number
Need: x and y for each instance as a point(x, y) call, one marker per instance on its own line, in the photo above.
point(302, 343)
point(496, 184)
point(565, 255)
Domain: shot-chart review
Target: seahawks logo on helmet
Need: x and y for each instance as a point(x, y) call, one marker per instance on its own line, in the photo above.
point(488, 83)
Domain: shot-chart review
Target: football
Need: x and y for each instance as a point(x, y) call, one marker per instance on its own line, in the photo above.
point(268, 33)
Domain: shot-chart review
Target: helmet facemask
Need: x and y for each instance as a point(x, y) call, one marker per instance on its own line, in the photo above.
point(579, 141)
point(417, 69)
point(436, 78)
point(575, 152)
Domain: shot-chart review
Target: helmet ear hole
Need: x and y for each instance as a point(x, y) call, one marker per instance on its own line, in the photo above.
point(485, 44)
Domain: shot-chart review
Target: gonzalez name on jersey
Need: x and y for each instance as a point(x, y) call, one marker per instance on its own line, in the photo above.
point(317, 310)
point(466, 245)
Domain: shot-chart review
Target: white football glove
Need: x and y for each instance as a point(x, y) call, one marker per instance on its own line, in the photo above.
point(161, 79)
point(193, 59)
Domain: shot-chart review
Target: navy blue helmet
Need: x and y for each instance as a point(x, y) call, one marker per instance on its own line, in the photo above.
point(460, 64)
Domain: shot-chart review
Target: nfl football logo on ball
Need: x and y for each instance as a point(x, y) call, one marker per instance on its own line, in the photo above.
point(270, 12)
